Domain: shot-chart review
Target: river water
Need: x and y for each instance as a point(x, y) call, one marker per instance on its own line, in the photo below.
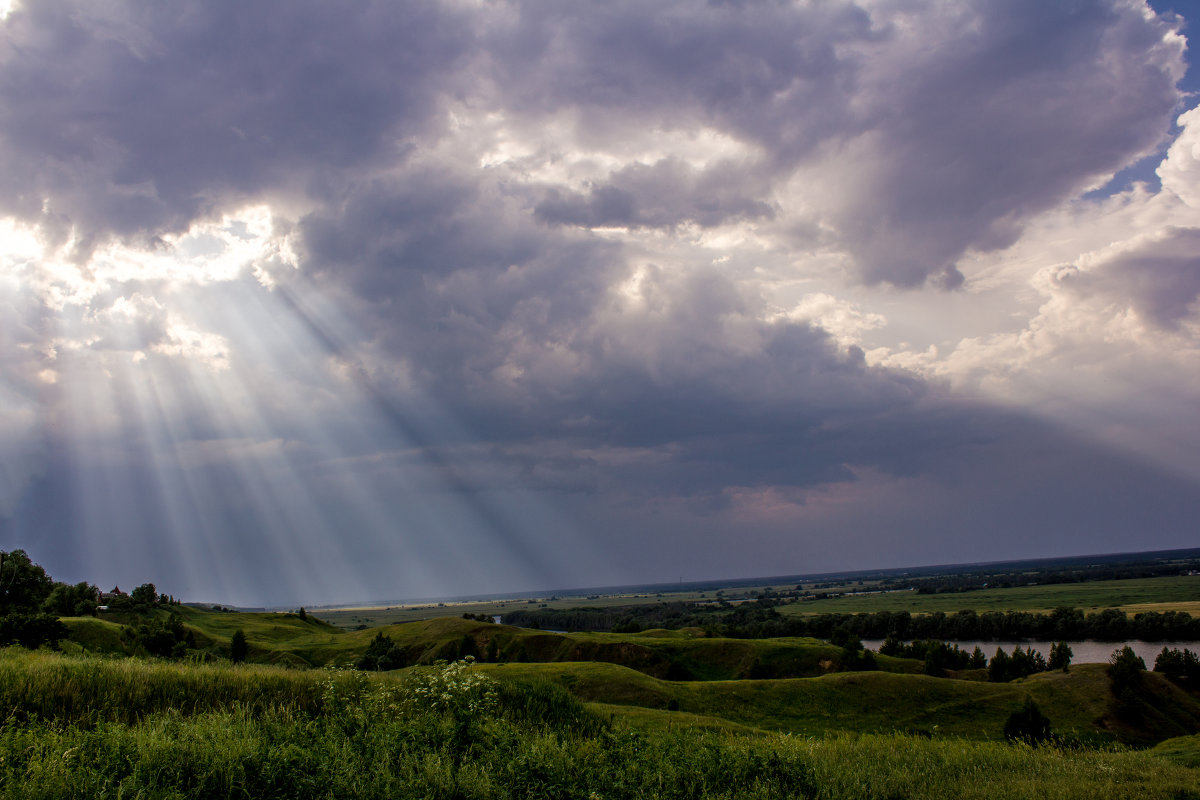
point(1088, 652)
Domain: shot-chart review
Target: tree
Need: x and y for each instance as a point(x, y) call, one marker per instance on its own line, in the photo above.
point(978, 659)
point(1125, 669)
point(65, 600)
point(303, 615)
point(1060, 656)
point(238, 648)
point(1180, 666)
point(1027, 724)
point(144, 595)
point(382, 654)
point(31, 630)
point(998, 667)
point(1025, 662)
point(24, 586)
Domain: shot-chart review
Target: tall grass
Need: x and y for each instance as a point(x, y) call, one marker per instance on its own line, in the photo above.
point(90, 689)
point(285, 754)
point(144, 730)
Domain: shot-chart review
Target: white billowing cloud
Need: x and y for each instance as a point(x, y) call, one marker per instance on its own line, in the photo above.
point(1110, 346)
point(1180, 171)
point(843, 319)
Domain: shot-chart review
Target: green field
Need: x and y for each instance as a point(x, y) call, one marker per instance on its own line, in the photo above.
point(1145, 594)
point(1173, 593)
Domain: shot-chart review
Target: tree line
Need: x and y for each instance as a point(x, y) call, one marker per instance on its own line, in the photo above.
point(31, 603)
point(965, 580)
point(760, 619)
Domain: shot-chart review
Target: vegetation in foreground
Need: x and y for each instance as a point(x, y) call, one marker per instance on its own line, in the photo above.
point(653, 713)
point(453, 730)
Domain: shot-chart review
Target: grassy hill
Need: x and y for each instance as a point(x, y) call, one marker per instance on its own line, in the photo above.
point(90, 726)
point(791, 685)
point(1078, 703)
point(286, 639)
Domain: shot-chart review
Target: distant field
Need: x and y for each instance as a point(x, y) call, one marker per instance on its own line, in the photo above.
point(1158, 594)
point(372, 616)
point(1145, 594)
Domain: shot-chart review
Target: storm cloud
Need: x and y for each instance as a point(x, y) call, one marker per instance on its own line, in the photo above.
point(553, 293)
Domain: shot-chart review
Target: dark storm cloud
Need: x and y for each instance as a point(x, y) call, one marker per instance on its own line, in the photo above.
point(937, 130)
point(661, 195)
point(453, 275)
point(1021, 104)
point(747, 67)
point(627, 373)
point(135, 118)
point(519, 332)
point(946, 127)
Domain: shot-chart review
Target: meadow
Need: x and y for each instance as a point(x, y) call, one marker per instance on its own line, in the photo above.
point(156, 730)
point(485, 710)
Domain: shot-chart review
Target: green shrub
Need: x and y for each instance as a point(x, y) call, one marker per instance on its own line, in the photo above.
point(1027, 724)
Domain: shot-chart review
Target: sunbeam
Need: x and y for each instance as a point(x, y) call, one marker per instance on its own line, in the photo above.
point(228, 428)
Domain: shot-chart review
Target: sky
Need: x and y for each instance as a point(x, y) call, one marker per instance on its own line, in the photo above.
point(313, 302)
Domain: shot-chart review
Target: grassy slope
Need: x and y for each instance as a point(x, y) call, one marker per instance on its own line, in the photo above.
point(1078, 702)
point(93, 636)
point(284, 639)
point(51, 685)
point(1183, 750)
point(173, 731)
point(632, 670)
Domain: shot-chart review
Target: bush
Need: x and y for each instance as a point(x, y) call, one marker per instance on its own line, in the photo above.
point(1027, 724)
point(31, 630)
point(238, 648)
point(382, 655)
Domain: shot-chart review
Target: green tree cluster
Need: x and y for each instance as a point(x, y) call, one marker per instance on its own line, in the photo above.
point(760, 619)
point(29, 600)
point(1022, 663)
point(938, 656)
point(382, 654)
point(854, 658)
point(1060, 656)
point(1180, 666)
point(163, 638)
